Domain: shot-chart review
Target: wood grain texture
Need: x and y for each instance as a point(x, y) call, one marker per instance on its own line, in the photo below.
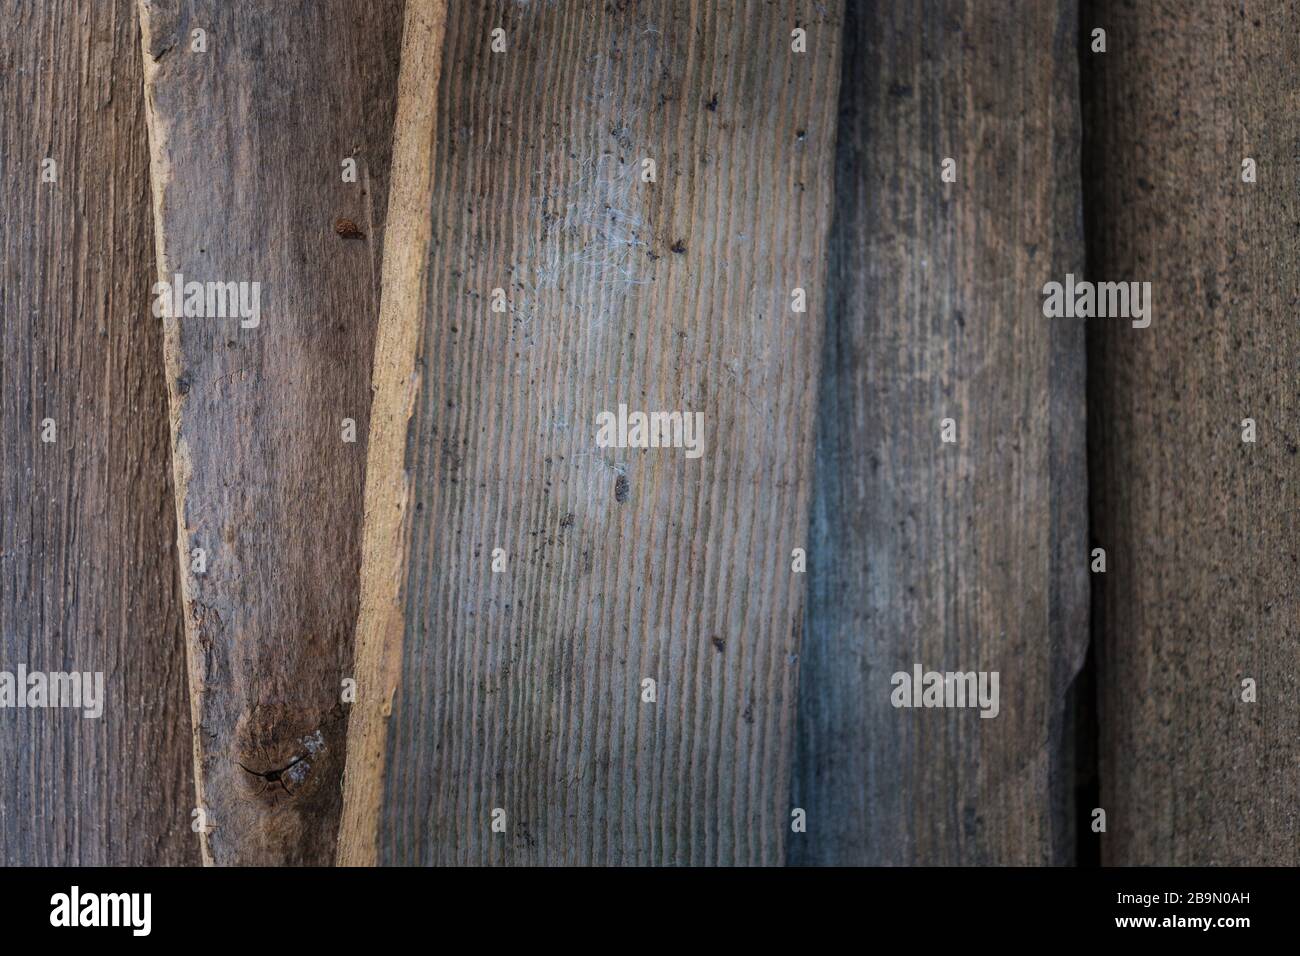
point(958, 557)
point(248, 139)
point(379, 635)
point(520, 690)
point(1201, 528)
point(87, 561)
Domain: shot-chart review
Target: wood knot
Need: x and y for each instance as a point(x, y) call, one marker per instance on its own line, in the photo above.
point(348, 229)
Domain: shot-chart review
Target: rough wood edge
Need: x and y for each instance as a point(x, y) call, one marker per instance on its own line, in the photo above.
point(395, 384)
point(159, 178)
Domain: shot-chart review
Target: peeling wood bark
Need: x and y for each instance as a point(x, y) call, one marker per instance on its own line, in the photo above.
point(248, 139)
point(521, 690)
point(87, 560)
point(958, 557)
point(1200, 527)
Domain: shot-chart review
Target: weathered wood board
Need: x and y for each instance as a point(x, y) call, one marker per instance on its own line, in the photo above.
point(88, 578)
point(517, 696)
point(1200, 527)
point(966, 556)
point(249, 138)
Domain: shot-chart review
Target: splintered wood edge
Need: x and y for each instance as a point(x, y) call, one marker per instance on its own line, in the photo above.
point(395, 383)
point(159, 179)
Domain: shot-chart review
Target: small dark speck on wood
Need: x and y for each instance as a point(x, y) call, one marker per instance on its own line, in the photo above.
point(621, 488)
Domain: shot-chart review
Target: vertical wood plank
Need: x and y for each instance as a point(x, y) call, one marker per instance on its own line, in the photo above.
point(87, 559)
point(379, 634)
point(522, 690)
point(957, 557)
point(1200, 527)
point(248, 140)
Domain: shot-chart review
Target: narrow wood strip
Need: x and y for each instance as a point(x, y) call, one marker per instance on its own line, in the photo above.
point(379, 629)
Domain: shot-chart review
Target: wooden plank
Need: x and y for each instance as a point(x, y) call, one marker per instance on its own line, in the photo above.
point(249, 138)
point(379, 634)
point(1200, 526)
point(522, 690)
point(87, 560)
point(969, 556)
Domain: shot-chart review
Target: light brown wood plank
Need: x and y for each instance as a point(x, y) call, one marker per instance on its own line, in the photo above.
point(379, 631)
point(88, 577)
point(520, 690)
point(248, 139)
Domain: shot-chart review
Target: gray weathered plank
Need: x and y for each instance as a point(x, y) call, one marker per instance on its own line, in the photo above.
point(87, 557)
point(1201, 528)
point(958, 557)
point(520, 690)
point(248, 140)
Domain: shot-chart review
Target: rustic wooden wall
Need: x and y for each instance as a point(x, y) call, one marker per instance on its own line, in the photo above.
point(965, 556)
point(521, 690)
point(87, 559)
point(521, 170)
point(1201, 528)
point(248, 139)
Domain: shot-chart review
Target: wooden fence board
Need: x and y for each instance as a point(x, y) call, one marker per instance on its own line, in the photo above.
point(521, 690)
point(1200, 527)
point(249, 138)
point(88, 577)
point(968, 556)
